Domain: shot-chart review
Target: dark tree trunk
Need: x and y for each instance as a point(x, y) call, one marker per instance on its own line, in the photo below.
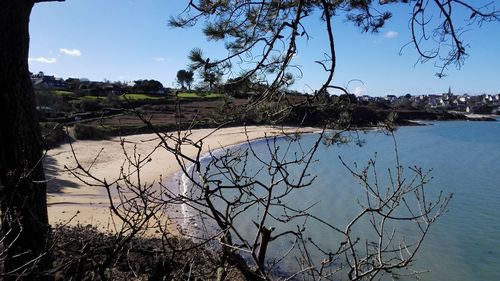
point(24, 220)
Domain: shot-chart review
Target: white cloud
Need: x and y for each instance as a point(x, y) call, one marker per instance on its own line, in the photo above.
point(43, 60)
point(71, 52)
point(390, 34)
point(161, 59)
point(359, 90)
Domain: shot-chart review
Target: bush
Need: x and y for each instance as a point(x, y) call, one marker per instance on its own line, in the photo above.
point(52, 100)
point(53, 134)
point(80, 253)
point(90, 132)
point(87, 105)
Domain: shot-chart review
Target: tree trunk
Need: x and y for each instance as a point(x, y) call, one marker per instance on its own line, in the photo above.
point(24, 221)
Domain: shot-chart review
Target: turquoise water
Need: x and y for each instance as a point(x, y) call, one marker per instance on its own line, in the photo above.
point(464, 244)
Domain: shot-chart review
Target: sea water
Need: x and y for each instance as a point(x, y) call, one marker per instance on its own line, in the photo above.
point(464, 244)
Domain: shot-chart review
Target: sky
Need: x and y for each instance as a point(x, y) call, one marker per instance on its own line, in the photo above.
point(127, 40)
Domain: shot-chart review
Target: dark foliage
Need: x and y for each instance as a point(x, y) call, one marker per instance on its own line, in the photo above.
point(90, 132)
point(147, 86)
point(53, 134)
point(80, 251)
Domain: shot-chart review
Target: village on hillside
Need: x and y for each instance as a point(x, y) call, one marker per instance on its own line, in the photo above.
point(449, 101)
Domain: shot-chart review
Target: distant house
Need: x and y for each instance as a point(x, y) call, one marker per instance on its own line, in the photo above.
point(434, 101)
point(42, 81)
point(487, 98)
point(365, 98)
point(390, 98)
point(113, 89)
point(94, 88)
point(496, 111)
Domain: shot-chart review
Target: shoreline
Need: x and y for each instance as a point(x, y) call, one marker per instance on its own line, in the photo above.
point(73, 202)
point(189, 221)
point(481, 116)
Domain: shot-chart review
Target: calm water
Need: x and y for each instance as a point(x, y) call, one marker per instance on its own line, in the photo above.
point(465, 157)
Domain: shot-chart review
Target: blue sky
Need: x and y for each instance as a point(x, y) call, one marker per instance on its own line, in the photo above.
point(122, 40)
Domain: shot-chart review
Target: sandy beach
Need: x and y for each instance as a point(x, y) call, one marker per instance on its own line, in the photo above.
point(73, 202)
point(473, 115)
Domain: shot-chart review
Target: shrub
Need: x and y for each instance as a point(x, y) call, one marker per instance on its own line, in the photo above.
point(53, 134)
point(86, 105)
point(90, 132)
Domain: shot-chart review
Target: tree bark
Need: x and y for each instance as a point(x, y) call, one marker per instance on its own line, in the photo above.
point(23, 205)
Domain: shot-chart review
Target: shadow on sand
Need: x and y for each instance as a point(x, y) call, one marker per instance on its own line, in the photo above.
point(55, 184)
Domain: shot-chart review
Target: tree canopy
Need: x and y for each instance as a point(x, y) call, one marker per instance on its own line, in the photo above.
point(262, 36)
point(185, 78)
point(148, 86)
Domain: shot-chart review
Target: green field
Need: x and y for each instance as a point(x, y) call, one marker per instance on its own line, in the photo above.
point(200, 96)
point(92, 98)
point(131, 97)
point(62, 93)
point(144, 97)
point(139, 97)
